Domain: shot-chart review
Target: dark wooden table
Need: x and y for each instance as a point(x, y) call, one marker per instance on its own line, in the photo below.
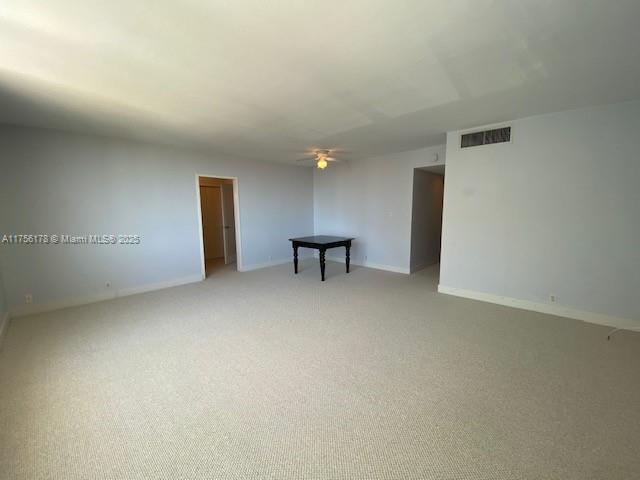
point(321, 243)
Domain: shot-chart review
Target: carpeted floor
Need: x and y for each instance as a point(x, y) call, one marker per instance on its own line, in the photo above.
point(263, 375)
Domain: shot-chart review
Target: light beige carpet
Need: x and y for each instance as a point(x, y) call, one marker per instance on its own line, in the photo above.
point(264, 375)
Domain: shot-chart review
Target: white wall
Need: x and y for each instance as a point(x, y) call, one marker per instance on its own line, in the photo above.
point(53, 182)
point(371, 200)
point(555, 212)
point(426, 219)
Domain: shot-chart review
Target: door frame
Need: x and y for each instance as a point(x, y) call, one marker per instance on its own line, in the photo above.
point(224, 226)
point(236, 214)
point(218, 192)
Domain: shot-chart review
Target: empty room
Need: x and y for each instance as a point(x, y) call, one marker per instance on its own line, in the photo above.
point(319, 240)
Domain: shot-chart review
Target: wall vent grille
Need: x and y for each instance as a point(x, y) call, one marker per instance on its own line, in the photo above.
point(487, 137)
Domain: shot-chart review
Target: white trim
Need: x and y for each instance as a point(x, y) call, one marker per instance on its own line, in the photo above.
point(228, 259)
point(271, 263)
point(591, 317)
point(102, 296)
point(4, 325)
point(225, 254)
point(200, 203)
point(376, 266)
point(236, 214)
point(151, 287)
point(200, 229)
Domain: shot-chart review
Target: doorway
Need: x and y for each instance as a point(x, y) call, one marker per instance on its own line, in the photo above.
point(218, 211)
point(426, 217)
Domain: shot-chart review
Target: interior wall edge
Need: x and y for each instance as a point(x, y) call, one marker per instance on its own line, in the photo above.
point(557, 310)
point(273, 202)
point(33, 309)
point(272, 263)
point(367, 264)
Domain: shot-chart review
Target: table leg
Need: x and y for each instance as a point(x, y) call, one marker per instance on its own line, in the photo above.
point(347, 255)
point(295, 259)
point(322, 252)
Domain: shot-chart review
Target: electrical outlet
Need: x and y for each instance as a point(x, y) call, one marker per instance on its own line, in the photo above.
point(28, 298)
point(270, 258)
point(552, 298)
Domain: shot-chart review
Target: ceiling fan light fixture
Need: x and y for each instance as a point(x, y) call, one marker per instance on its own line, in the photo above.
point(322, 163)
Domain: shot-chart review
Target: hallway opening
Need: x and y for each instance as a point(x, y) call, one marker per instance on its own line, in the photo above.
point(426, 216)
point(218, 220)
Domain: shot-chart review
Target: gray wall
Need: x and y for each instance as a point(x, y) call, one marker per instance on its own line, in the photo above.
point(555, 212)
point(55, 182)
point(371, 200)
point(426, 219)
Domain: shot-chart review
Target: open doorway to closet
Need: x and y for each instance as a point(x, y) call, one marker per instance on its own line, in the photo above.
point(426, 216)
point(218, 220)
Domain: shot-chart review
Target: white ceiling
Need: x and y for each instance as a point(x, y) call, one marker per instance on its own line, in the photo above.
point(269, 79)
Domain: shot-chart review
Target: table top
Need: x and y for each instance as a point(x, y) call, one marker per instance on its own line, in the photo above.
point(321, 239)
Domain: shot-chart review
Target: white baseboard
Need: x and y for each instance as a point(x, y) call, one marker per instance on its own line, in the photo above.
point(150, 287)
point(4, 324)
point(272, 263)
point(590, 317)
point(32, 309)
point(376, 266)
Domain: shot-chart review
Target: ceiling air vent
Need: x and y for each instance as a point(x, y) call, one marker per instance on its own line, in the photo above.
point(474, 139)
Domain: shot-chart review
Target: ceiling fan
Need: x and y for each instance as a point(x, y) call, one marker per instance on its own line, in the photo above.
point(321, 156)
